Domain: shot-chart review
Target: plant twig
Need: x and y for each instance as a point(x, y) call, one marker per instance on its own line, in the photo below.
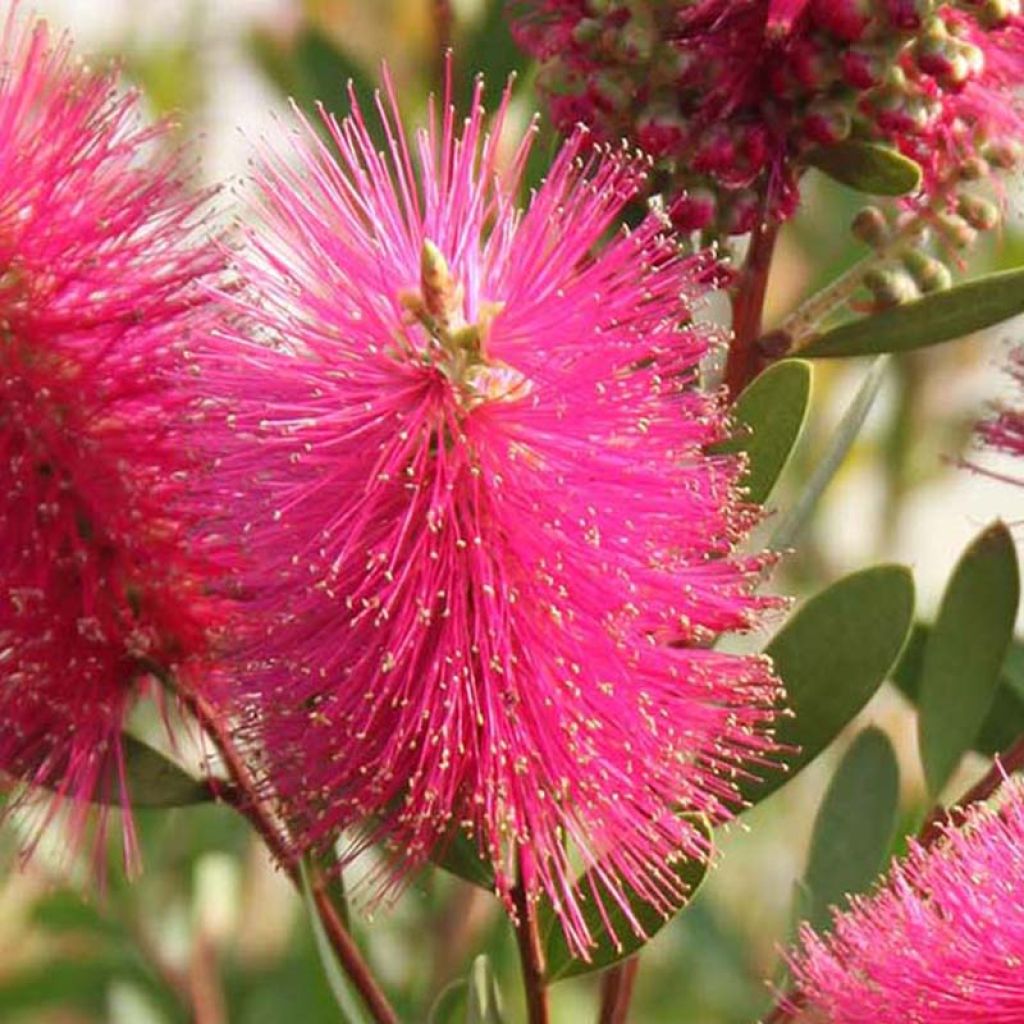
point(743, 362)
point(1004, 765)
point(531, 955)
point(246, 799)
point(617, 991)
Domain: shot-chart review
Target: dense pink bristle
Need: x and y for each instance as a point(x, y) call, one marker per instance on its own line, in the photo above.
point(940, 942)
point(100, 290)
point(481, 596)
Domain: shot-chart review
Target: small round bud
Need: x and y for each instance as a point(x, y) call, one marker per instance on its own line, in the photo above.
point(1004, 154)
point(890, 286)
point(695, 210)
point(847, 20)
point(929, 274)
point(974, 168)
point(870, 227)
point(827, 123)
point(981, 214)
point(996, 13)
point(955, 230)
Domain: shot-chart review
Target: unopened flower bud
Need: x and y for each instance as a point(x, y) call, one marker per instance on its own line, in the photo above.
point(871, 227)
point(974, 168)
point(695, 210)
point(979, 213)
point(660, 129)
point(862, 68)
point(827, 123)
point(929, 274)
point(847, 20)
point(890, 286)
point(1004, 154)
point(955, 230)
point(996, 13)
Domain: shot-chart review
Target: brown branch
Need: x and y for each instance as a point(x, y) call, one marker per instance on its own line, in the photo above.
point(1004, 765)
point(617, 991)
point(531, 955)
point(245, 797)
point(748, 295)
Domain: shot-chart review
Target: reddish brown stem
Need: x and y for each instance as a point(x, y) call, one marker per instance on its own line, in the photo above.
point(787, 1009)
point(245, 798)
point(1005, 764)
point(744, 360)
point(617, 991)
point(531, 956)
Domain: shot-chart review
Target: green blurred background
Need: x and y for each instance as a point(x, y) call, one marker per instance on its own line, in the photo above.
point(210, 932)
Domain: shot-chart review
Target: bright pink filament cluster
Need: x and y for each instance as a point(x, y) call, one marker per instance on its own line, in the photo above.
point(733, 96)
point(942, 942)
point(1006, 430)
point(99, 291)
point(488, 551)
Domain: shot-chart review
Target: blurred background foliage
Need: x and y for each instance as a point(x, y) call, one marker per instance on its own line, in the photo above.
point(210, 931)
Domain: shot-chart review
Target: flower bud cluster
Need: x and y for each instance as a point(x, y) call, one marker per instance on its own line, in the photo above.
point(915, 245)
point(731, 96)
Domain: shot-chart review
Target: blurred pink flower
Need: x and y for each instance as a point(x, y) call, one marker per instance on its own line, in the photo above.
point(1005, 431)
point(733, 95)
point(99, 290)
point(940, 942)
point(465, 448)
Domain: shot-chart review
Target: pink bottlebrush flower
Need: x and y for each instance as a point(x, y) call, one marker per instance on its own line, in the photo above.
point(940, 942)
point(464, 447)
point(733, 95)
point(1005, 431)
point(100, 287)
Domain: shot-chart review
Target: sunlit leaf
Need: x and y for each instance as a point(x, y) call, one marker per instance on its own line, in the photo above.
point(853, 827)
point(941, 316)
point(832, 655)
point(868, 167)
point(559, 960)
point(964, 652)
point(768, 418)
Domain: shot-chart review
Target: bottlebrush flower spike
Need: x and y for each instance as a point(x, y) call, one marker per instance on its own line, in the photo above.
point(100, 286)
point(939, 943)
point(732, 96)
point(465, 449)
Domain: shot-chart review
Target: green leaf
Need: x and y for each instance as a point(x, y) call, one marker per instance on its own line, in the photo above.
point(1005, 719)
point(843, 438)
point(559, 959)
point(832, 655)
point(769, 416)
point(314, 69)
point(494, 54)
point(941, 316)
point(155, 781)
point(460, 857)
point(854, 825)
point(964, 652)
point(868, 167)
point(483, 1002)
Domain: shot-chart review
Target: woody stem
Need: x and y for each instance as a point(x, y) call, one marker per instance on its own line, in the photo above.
point(244, 796)
point(531, 955)
point(748, 296)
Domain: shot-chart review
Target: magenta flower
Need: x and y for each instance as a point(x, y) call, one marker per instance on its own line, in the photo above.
point(939, 943)
point(99, 291)
point(464, 445)
point(731, 96)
